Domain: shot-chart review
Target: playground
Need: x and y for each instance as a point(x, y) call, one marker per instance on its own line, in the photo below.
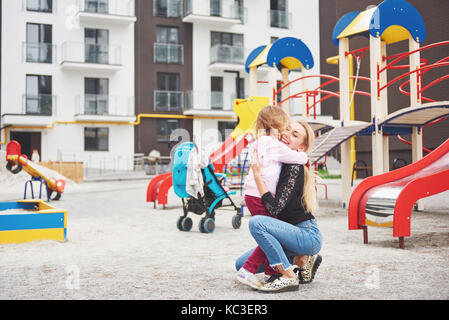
point(158, 239)
point(118, 251)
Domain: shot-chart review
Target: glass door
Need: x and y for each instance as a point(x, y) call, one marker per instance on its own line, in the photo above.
point(96, 45)
point(96, 96)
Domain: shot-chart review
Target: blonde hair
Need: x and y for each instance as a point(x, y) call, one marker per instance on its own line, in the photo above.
point(309, 194)
point(271, 118)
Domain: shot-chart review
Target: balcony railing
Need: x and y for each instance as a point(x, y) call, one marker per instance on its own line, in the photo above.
point(223, 9)
point(280, 19)
point(168, 100)
point(39, 52)
point(167, 8)
point(107, 7)
point(209, 100)
point(227, 54)
point(91, 53)
point(39, 105)
point(104, 105)
point(168, 53)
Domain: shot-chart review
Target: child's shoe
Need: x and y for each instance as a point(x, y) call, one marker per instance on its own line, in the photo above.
point(248, 278)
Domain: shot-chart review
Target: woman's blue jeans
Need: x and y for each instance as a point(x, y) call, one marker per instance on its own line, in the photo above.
point(281, 241)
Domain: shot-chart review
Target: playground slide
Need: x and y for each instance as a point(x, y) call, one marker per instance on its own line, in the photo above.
point(247, 111)
point(387, 200)
point(17, 162)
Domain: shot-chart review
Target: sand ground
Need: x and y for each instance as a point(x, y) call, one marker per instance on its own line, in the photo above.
point(120, 247)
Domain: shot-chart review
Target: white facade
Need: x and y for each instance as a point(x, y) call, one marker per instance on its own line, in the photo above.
point(302, 21)
point(64, 137)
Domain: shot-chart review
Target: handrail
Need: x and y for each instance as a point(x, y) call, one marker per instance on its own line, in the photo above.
point(430, 66)
point(409, 143)
point(423, 68)
point(406, 54)
point(319, 89)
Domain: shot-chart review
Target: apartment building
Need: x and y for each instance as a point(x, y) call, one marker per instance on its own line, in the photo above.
point(213, 39)
point(67, 79)
point(224, 33)
point(163, 73)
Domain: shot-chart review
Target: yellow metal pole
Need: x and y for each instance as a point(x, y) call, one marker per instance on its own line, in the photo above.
point(352, 116)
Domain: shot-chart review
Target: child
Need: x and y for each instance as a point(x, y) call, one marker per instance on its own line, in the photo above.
point(270, 124)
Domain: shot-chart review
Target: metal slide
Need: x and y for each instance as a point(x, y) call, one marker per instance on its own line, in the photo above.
point(387, 200)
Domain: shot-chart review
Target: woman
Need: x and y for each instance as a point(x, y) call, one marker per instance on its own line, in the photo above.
point(295, 234)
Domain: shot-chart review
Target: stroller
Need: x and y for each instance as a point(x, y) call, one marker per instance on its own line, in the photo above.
point(213, 193)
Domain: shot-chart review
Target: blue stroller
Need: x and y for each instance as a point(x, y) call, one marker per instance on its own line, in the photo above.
point(211, 200)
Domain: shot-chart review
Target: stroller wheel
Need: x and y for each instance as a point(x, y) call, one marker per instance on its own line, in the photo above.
point(236, 221)
point(201, 225)
point(179, 223)
point(209, 225)
point(186, 224)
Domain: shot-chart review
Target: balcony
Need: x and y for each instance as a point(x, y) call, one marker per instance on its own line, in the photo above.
point(223, 13)
point(168, 100)
point(106, 12)
point(213, 103)
point(167, 8)
point(280, 19)
point(93, 107)
point(168, 53)
point(37, 52)
point(81, 56)
point(224, 57)
point(37, 110)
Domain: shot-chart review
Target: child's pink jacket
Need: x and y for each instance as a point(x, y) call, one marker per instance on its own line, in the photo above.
point(274, 153)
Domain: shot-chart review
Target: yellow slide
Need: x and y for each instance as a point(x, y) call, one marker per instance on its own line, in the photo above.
point(247, 111)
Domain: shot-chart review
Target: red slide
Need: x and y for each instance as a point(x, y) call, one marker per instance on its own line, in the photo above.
point(159, 186)
point(391, 196)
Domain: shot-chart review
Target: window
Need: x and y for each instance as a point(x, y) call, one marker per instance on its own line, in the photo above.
point(96, 45)
point(96, 6)
point(216, 88)
point(38, 99)
point(273, 39)
point(165, 127)
point(168, 96)
point(220, 8)
point(226, 38)
point(240, 88)
point(96, 98)
point(227, 47)
point(215, 8)
point(39, 43)
point(167, 8)
point(168, 81)
point(280, 5)
point(167, 35)
point(167, 48)
point(279, 85)
point(279, 17)
point(225, 128)
point(40, 5)
point(96, 139)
